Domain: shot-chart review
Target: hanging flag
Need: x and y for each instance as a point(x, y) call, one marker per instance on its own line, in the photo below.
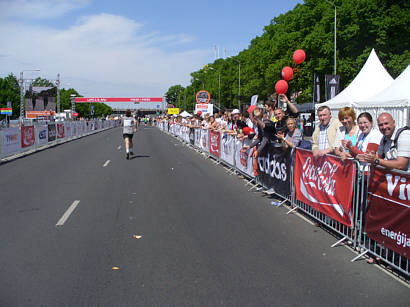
point(254, 100)
point(316, 89)
point(332, 86)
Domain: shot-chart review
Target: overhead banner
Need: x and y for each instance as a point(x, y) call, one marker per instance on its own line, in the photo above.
point(28, 137)
point(215, 143)
point(52, 132)
point(10, 140)
point(116, 99)
point(388, 210)
point(274, 169)
point(326, 185)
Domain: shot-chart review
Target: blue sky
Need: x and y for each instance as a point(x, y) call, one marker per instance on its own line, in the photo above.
point(126, 48)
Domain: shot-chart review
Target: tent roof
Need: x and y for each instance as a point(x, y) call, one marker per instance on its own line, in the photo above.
point(371, 79)
point(399, 90)
point(185, 114)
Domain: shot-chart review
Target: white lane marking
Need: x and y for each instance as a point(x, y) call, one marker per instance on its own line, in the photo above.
point(67, 214)
point(106, 163)
point(119, 147)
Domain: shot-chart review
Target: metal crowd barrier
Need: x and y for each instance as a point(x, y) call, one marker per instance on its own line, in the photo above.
point(355, 235)
point(43, 135)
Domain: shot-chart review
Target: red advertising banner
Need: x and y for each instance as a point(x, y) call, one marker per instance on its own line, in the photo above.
point(28, 137)
point(60, 131)
point(325, 184)
point(388, 210)
point(215, 143)
point(113, 99)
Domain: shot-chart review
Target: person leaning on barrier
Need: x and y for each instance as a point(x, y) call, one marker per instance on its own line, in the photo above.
point(324, 136)
point(394, 149)
point(348, 132)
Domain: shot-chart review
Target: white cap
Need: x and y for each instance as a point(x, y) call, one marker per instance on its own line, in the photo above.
point(235, 111)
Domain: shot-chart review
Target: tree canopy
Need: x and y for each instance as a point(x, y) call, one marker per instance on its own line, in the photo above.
point(361, 25)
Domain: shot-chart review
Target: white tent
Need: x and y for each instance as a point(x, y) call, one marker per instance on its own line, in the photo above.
point(185, 114)
point(371, 79)
point(395, 99)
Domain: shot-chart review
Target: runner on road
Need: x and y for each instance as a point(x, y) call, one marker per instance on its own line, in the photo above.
point(129, 128)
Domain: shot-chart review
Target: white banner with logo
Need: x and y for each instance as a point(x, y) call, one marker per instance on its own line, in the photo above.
point(205, 108)
point(227, 148)
point(10, 140)
point(243, 159)
point(205, 140)
point(42, 135)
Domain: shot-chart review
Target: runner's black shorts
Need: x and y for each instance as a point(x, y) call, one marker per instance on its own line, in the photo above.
point(128, 135)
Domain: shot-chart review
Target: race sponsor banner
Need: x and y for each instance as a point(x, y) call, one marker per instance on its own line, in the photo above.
point(227, 148)
point(388, 210)
point(173, 111)
point(52, 132)
point(68, 129)
point(215, 143)
point(41, 135)
point(36, 114)
point(28, 136)
point(10, 140)
point(243, 159)
point(197, 141)
point(205, 140)
point(60, 131)
point(274, 169)
point(325, 184)
point(192, 136)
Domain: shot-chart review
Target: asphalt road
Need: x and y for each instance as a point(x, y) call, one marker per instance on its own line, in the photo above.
point(167, 228)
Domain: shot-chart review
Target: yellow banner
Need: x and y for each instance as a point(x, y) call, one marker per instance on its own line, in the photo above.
point(173, 111)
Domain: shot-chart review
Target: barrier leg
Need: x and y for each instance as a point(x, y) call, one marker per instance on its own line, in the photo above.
point(359, 256)
point(291, 210)
point(338, 242)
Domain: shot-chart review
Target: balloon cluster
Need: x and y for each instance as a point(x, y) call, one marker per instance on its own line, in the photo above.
point(281, 86)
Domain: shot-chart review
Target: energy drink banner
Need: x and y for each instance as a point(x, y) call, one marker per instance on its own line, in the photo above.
point(274, 169)
point(243, 159)
point(215, 143)
point(10, 140)
point(28, 136)
point(388, 210)
point(326, 185)
point(227, 148)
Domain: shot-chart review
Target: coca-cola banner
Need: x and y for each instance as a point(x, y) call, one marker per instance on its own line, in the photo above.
point(28, 136)
point(274, 169)
point(243, 159)
point(60, 131)
point(215, 143)
point(325, 184)
point(227, 148)
point(388, 210)
point(52, 132)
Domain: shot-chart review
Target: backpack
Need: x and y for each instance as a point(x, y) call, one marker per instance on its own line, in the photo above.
point(394, 143)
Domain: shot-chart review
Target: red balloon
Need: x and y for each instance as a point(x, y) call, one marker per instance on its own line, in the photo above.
point(299, 56)
point(281, 87)
point(287, 73)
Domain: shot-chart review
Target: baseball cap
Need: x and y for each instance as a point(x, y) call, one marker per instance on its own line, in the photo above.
point(235, 111)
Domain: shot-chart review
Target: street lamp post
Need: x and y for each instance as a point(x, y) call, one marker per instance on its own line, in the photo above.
point(22, 92)
point(331, 3)
point(239, 83)
point(219, 87)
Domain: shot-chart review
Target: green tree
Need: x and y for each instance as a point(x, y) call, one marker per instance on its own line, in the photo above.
point(10, 91)
point(173, 94)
